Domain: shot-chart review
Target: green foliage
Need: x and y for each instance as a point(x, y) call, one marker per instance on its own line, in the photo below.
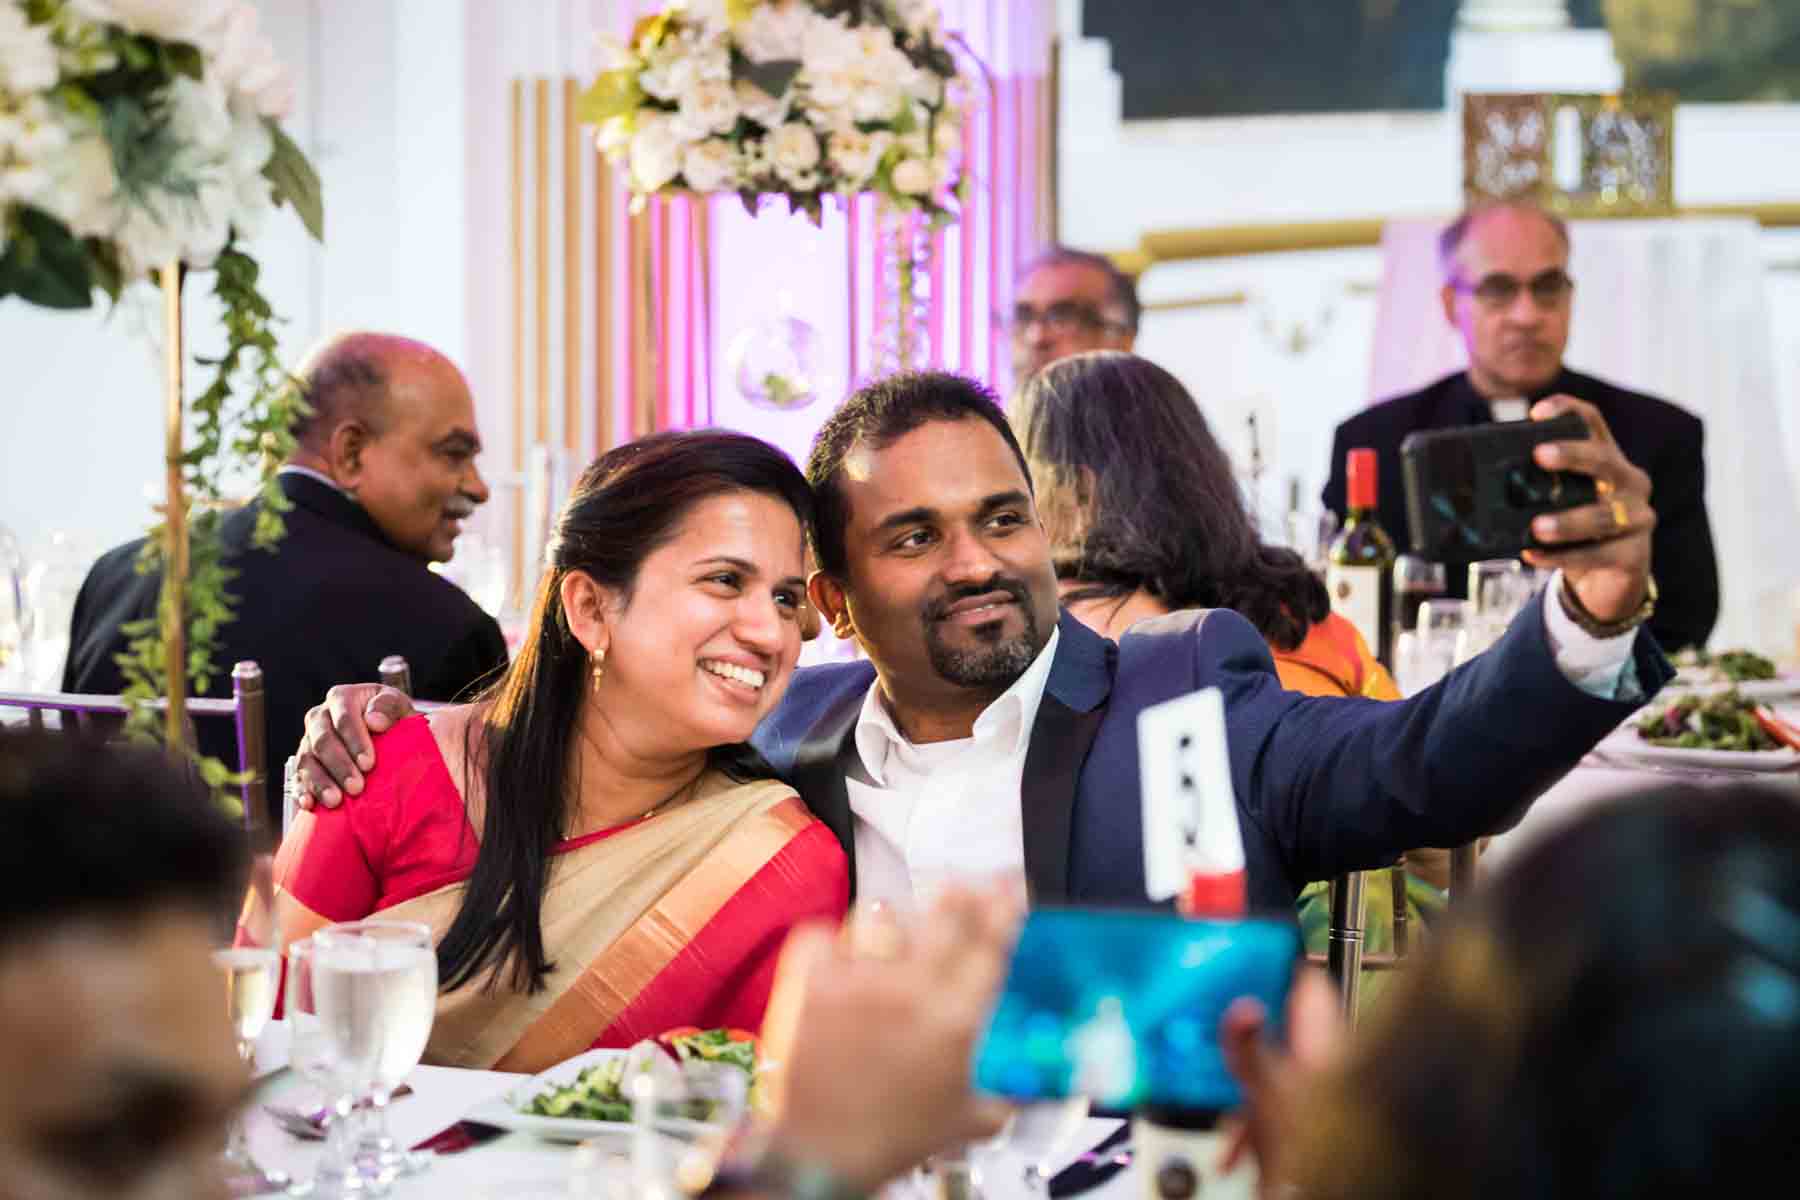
point(295, 182)
point(44, 263)
point(774, 77)
point(612, 94)
point(245, 415)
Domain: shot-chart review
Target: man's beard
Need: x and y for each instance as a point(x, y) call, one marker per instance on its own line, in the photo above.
point(998, 663)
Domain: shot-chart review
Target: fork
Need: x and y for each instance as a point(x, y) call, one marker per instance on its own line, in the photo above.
point(310, 1123)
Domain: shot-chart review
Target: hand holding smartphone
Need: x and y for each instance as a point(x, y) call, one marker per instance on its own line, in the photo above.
point(1472, 492)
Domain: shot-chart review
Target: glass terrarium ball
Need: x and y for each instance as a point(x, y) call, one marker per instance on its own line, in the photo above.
point(774, 363)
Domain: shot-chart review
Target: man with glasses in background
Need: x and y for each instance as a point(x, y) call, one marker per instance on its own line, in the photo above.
point(1068, 301)
point(1508, 292)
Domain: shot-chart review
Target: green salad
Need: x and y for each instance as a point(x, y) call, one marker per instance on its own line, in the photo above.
point(599, 1092)
point(1726, 721)
point(1737, 666)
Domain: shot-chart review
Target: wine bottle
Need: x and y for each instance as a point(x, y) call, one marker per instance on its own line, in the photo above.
point(1360, 568)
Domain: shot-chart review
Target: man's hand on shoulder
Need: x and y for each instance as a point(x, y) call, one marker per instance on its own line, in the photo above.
point(1607, 567)
point(337, 747)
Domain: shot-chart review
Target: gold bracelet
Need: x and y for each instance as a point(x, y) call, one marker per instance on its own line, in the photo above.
point(1594, 626)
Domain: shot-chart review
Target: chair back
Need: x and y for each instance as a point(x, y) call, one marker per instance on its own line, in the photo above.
point(246, 708)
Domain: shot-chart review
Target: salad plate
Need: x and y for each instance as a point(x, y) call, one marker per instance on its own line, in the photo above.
point(1624, 745)
point(513, 1108)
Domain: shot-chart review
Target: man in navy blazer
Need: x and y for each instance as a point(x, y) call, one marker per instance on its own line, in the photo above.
point(989, 734)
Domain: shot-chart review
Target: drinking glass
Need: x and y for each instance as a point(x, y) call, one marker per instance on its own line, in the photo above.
point(310, 1056)
point(250, 975)
point(1310, 533)
point(1415, 581)
point(375, 983)
point(1498, 589)
point(1428, 656)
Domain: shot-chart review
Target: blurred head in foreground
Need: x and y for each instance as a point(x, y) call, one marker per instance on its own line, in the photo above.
point(116, 875)
point(1621, 1017)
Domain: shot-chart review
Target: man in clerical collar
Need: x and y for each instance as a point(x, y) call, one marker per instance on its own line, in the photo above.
point(1508, 292)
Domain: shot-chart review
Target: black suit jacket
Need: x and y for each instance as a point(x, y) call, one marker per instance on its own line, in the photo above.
point(326, 606)
point(1657, 436)
point(1324, 785)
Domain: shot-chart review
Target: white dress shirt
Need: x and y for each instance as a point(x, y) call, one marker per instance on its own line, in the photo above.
point(930, 814)
point(926, 815)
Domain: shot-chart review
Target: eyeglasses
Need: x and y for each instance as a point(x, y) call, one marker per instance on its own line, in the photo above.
point(1548, 289)
point(1063, 317)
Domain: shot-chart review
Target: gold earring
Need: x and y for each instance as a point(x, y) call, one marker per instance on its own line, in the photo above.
point(599, 665)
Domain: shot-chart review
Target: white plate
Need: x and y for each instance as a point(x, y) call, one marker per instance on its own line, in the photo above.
point(1625, 745)
point(1778, 688)
point(508, 1110)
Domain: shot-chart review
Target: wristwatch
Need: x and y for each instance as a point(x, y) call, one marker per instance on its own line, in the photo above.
point(1594, 626)
point(755, 1166)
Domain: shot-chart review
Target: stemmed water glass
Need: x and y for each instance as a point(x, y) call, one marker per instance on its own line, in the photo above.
point(375, 984)
point(310, 1057)
point(250, 978)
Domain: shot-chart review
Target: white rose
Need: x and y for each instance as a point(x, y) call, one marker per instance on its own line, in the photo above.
point(707, 108)
point(243, 60)
point(613, 53)
point(793, 150)
point(875, 102)
point(82, 184)
point(710, 166)
point(766, 110)
point(713, 15)
point(855, 155)
point(912, 177)
point(655, 152)
point(679, 63)
point(775, 32)
point(613, 137)
point(171, 20)
point(925, 86)
point(916, 16)
point(27, 57)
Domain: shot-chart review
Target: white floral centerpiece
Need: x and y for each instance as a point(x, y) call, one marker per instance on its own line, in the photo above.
point(141, 136)
point(796, 98)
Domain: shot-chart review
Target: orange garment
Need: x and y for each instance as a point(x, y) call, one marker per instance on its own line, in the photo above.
point(1334, 661)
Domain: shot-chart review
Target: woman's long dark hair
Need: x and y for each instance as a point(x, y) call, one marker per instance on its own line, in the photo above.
point(1147, 499)
point(630, 502)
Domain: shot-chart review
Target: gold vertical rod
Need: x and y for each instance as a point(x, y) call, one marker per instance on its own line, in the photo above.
point(643, 365)
point(175, 539)
point(571, 168)
point(518, 330)
point(701, 212)
point(661, 345)
point(603, 300)
point(541, 257)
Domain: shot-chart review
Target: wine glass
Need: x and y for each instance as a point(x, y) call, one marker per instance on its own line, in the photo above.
point(310, 1055)
point(375, 983)
point(250, 976)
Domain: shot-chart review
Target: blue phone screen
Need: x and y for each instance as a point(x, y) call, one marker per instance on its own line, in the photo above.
point(1124, 1007)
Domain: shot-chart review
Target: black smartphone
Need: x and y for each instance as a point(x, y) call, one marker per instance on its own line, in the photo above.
point(1471, 492)
point(1124, 1007)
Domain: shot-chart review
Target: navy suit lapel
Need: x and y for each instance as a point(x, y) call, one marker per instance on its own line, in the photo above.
point(1068, 718)
point(826, 755)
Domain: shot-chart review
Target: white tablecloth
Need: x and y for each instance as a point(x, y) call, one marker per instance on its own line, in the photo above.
point(1675, 308)
point(516, 1166)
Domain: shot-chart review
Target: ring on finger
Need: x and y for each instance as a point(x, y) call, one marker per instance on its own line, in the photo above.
point(1621, 516)
point(1604, 488)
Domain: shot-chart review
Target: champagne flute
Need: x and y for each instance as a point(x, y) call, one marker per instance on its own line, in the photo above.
point(376, 984)
point(250, 979)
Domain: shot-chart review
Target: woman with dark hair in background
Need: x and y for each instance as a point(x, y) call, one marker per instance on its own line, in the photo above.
point(599, 854)
point(1145, 517)
point(1619, 1016)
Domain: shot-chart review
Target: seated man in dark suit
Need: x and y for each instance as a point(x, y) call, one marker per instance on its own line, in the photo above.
point(1508, 291)
point(990, 734)
point(381, 482)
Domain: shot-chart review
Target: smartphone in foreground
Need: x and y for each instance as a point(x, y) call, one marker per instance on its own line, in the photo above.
point(1124, 1007)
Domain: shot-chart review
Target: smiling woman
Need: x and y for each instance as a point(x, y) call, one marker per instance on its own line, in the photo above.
point(555, 831)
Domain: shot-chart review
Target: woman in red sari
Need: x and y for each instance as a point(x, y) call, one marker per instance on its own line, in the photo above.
point(600, 855)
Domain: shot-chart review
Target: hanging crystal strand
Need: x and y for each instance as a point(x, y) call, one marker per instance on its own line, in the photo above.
point(902, 291)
